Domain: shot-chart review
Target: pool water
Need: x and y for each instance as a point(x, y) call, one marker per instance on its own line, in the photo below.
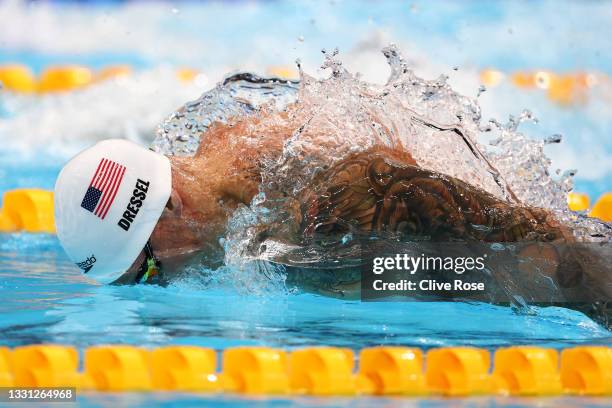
point(188, 400)
point(45, 299)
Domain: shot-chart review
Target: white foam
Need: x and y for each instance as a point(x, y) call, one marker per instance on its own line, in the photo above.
point(128, 107)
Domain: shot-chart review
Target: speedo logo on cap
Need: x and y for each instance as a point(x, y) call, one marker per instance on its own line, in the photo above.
point(87, 264)
point(136, 201)
point(103, 188)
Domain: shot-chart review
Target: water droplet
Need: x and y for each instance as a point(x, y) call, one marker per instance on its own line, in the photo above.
point(569, 173)
point(556, 138)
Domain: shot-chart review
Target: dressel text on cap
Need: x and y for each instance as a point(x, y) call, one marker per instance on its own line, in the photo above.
point(136, 201)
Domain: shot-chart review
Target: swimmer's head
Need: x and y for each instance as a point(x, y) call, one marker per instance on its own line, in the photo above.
point(192, 221)
point(108, 200)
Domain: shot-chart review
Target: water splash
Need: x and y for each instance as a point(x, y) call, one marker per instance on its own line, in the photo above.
point(236, 98)
point(331, 118)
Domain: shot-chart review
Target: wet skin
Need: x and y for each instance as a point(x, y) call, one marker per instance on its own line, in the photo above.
point(379, 191)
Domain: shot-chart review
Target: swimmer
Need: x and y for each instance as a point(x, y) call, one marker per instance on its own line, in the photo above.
point(126, 214)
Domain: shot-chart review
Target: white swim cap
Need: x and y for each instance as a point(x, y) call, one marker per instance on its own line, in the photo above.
point(108, 200)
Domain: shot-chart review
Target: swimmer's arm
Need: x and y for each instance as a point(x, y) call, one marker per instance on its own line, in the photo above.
point(372, 193)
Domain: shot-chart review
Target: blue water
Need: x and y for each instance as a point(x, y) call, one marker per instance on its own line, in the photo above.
point(188, 400)
point(44, 298)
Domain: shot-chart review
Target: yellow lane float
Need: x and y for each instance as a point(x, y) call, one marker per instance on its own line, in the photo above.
point(567, 90)
point(448, 371)
point(45, 366)
point(491, 77)
point(603, 208)
point(113, 72)
point(578, 201)
point(391, 371)
point(6, 369)
point(118, 368)
point(30, 210)
point(64, 78)
point(184, 368)
point(186, 74)
point(255, 370)
point(322, 371)
point(587, 370)
point(17, 78)
point(564, 89)
point(527, 371)
point(458, 371)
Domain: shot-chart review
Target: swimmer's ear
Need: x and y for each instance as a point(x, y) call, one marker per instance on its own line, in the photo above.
point(174, 204)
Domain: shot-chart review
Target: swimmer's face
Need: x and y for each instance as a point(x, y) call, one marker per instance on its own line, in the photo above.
point(190, 224)
point(206, 190)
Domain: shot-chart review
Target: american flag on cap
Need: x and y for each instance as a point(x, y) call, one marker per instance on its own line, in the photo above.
point(103, 187)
